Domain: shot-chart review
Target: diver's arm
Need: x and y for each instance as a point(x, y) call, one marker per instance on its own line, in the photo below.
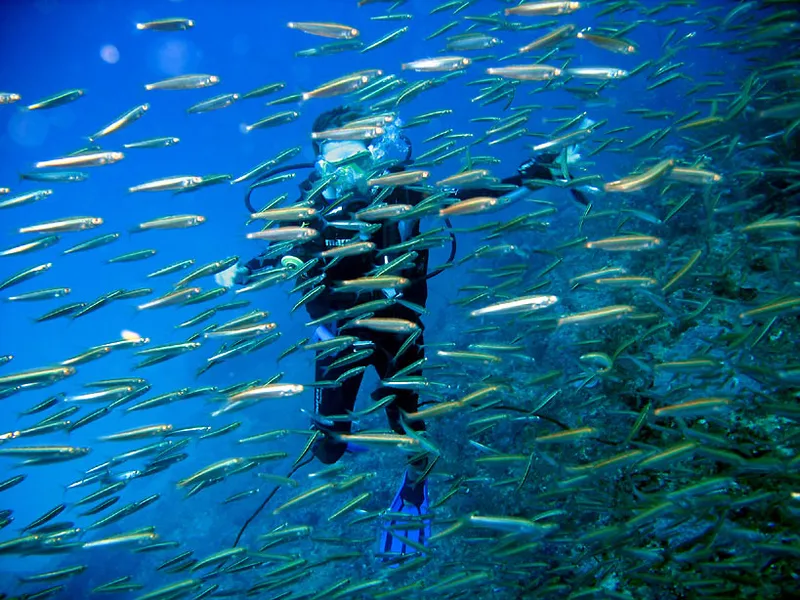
point(534, 169)
point(530, 170)
point(467, 193)
point(273, 257)
point(240, 273)
point(262, 261)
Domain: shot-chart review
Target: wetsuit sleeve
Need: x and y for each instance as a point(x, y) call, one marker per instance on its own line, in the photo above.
point(529, 171)
point(261, 262)
point(266, 260)
point(304, 251)
point(474, 192)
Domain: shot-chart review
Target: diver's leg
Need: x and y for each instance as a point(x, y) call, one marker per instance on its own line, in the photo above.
point(330, 401)
point(410, 504)
point(406, 400)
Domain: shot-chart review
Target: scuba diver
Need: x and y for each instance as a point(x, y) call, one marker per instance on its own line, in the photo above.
point(348, 249)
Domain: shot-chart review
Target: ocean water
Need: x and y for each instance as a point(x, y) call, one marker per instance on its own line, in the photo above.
point(50, 46)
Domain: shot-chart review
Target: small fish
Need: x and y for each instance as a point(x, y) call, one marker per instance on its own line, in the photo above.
point(12, 482)
point(328, 30)
point(596, 73)
point(514, 525)
point(549, 39)
point(367, 284)
point(132, 256)
point(331, 48)
point(179, 182)
point(217, 557)
point(531, 72)
point(184, 82)
point(138, 433)
point(544, 8)
point(173, 268)
point(63, 225)
point(9, 97)
point(25, 275)
point(313, 493)
point(42, 242)
point(217, 469)
point(472, 206)
point(249, 331)
point(471, 41)
point(56, 176)
point(442, 63)
point(171, 222)
point(264, 90)
point(385, 39)
point(174, 24)
point(208, 269)
point(597, 316)
point(281, 234)
point(95, 242)
point(205, 181)
point(274, 120)
point(125, 119)
point(700, 407)
point(92, 159)
point(612, 44)
point(291, 213)
point(695, 176)
point(790, 304)
point(626, 243)
point(171, 299)
point(384, 324)
point(44, 451)
point(47, 294)
point(339, 87)
point(351, 249)
point(515, 306)
point(26, 198)
point(45, 518)
point(381, 213)
point(62, 311)
point(161, 142)
point(215, 103)
point(402, 178)
point(58, 99)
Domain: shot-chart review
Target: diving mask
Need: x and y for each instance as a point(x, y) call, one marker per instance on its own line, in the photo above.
point(352, 162)
point(348, 163)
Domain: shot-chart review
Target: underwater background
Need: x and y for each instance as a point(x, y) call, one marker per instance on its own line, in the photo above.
point(714, 514)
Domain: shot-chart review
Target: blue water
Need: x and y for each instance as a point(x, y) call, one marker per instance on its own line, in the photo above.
point(49, 46)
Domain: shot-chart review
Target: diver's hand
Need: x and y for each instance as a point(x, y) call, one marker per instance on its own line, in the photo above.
point(537, 167)
point(526, 167)
point(232, 275)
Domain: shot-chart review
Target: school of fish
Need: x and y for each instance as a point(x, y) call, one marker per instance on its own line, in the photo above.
point(610, 395)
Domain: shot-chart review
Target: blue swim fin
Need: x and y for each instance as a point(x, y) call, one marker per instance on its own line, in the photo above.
point(355, 448)
point(410, 500)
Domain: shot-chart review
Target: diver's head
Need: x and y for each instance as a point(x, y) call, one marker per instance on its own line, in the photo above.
point(332, 119)
point(337, 151)
point(360, 146)
point(346, 161)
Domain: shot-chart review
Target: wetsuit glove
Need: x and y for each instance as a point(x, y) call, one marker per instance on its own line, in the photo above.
point(537, 167)
point(231, 275)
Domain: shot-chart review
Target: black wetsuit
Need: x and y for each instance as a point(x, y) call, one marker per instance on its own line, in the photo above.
point(338, 400)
